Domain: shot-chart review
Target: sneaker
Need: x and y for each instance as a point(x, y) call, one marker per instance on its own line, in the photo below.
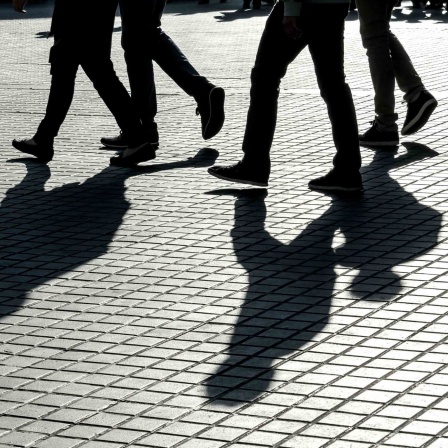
point(419, 112)
point(333, 181)
point(211, 110)
point(121, 142)
point(375, 137)
point(240, 174)
point(43, 153)
point(134, 155)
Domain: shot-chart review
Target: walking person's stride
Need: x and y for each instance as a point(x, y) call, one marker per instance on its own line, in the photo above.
point(144, 42)
point(292, 26)
point(89, 49)
point(389, 62)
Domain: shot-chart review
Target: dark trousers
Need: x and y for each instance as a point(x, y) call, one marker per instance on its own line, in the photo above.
point(143, 42)
point(323, 33)
point(93, 55)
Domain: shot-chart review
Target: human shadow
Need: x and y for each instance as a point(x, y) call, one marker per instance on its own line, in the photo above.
point(46, 234)
point(290, 287)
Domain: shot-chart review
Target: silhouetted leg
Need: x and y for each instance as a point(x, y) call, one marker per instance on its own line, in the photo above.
point(275, 52)
point(101, 72)
point(140, 19)
point(374, 17)
point(325, 31)
point(63, 71)
point(407, 77)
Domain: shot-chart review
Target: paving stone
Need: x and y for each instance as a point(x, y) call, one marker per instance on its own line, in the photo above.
point(158, 307)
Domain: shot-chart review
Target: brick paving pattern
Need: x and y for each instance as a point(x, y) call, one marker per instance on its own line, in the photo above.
point(160, 307)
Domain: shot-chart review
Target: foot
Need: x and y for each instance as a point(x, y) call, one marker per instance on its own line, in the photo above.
point(240, 174)
point(246, 4)
point(134, 155)
point(211, 110)
point(375, 137)
point(43, 153)
point(256, 4)
point(339, 182)
point(419, 112)
point(121, 142)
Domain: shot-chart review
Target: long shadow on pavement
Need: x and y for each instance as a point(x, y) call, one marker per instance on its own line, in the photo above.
point(290, 286)
point(46, 234)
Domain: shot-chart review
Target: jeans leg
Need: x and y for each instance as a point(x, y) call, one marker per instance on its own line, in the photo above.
point(325, 28)
point(275, 52)
point(407, 78)
point(115, 96)
point(176, 65)
point(143, 89)
point(59, 100)
point(140, 21)
point(374, 17)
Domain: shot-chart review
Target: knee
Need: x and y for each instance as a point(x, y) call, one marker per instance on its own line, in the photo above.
point(265, 79)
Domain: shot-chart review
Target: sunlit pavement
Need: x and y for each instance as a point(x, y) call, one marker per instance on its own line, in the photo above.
point(161, 307)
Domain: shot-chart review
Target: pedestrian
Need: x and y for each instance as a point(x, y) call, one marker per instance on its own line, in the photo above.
point(144, 41)
point(89, 49)
point(388, 62)
point(290, 28)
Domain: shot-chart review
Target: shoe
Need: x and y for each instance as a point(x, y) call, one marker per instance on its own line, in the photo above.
point(246, 4)
point(419, 112)
point(211, 110)
point(256, 4)
point(43, 153)
point(240, 174)
point(134, 155)
point(121, 142)
point(333, 181)
point(375, 137)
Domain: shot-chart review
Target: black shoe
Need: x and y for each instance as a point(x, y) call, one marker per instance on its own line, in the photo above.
point(133, 155)
point(43, 153)
point(246, 4)
point(121, 142)
point(375, 137)
point(211, 110)
point(239, 173)
point(333, 181)
point(419, 112)
point(256, 4)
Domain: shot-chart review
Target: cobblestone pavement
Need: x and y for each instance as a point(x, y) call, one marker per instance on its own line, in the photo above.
point(158, 307)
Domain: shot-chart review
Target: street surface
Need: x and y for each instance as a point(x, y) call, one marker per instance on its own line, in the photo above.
point(160, 307)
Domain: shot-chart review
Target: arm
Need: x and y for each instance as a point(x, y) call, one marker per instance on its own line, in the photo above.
point(292, 12)
point(18, 5)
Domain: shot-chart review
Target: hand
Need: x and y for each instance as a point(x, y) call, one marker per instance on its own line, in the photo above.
point(291, 28)
point(18, 5)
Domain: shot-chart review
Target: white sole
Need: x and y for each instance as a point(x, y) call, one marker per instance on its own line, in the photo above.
point(425, 106)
